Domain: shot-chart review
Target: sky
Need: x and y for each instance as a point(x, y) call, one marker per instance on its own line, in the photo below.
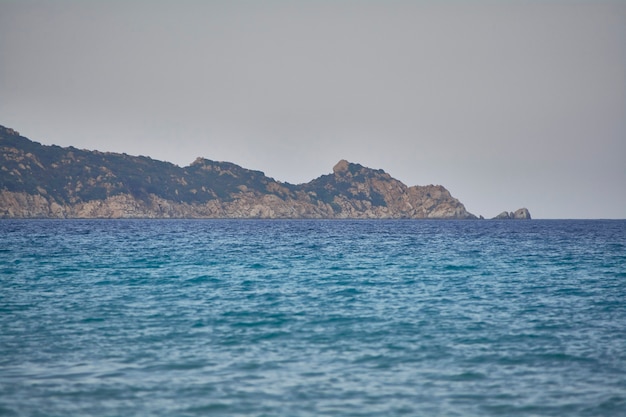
point(508, 104)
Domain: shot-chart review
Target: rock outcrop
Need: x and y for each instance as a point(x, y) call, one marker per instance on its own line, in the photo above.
point(38, 181)
point(353, 190)
point(519, 214)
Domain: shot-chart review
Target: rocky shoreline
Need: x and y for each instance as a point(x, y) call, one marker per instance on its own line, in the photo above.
point(39, 181)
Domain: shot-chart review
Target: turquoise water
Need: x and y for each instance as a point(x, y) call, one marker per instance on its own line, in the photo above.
point(312, 318)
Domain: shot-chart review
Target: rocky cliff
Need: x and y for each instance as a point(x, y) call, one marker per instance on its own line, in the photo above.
point(38, 181)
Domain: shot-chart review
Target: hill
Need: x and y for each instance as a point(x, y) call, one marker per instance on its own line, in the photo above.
point(40, 181)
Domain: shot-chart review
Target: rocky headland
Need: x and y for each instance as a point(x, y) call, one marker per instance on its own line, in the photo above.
point(39, 181)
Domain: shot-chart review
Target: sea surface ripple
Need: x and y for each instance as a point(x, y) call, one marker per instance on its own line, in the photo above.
point(312, 318)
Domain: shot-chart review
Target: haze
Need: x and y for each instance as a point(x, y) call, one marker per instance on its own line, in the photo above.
point(507, 104)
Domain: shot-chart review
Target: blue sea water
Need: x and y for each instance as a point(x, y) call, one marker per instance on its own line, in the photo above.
point(312, 318)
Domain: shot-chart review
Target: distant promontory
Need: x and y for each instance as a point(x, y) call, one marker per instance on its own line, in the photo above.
point(39, 181)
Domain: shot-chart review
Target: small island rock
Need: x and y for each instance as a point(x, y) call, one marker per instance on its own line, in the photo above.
point(519, 214)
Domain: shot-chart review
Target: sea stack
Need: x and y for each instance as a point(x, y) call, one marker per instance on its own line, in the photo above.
point(519, 214)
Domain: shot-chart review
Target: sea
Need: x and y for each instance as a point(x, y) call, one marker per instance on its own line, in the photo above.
point(312, 318)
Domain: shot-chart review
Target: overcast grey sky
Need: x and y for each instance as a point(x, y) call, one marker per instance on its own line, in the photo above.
point(505, 103)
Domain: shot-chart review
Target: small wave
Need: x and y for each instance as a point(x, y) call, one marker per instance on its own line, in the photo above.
point(203, 279)
point(465, 376)
point(454, 267)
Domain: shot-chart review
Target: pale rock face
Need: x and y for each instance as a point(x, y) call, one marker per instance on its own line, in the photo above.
point(503, 216)
point(21, 205)
point(519, 214)
point(341, 167)
point(522, 214)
